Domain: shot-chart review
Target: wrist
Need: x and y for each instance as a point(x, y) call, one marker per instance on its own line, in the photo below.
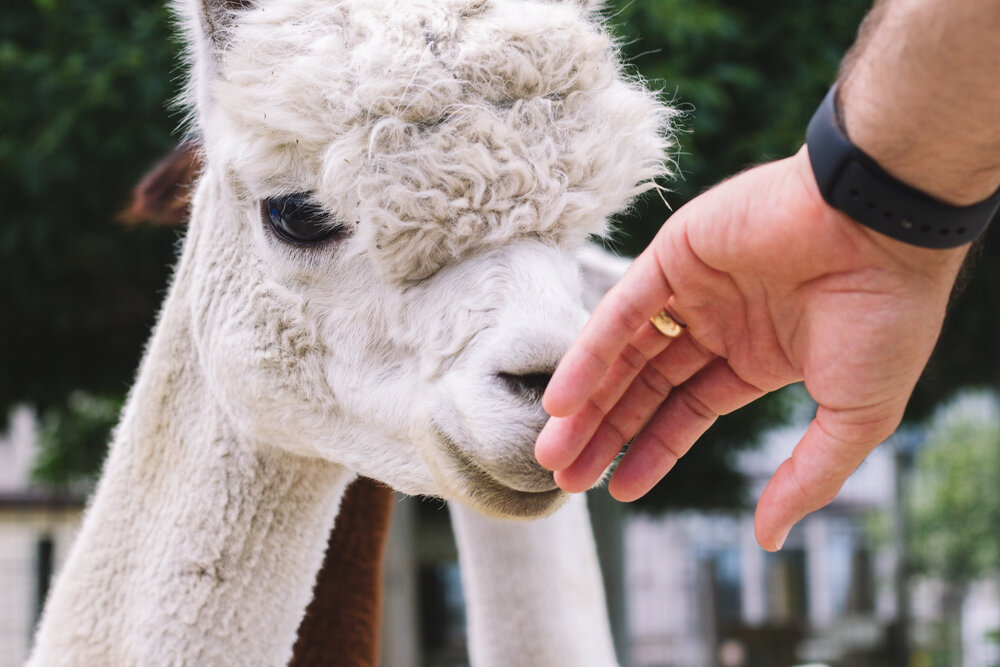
point(855, 183)
point(956, 170)
point(942, 265)
point(917, 94)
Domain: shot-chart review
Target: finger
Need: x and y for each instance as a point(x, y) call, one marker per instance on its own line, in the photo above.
point(689, 411)
point(623, 310)
point(625, 419)
point(593, 461)
point(648, 388)
point(646, 345)
point(629, 394)
point(645, 395)
point(562, 439)
point(811, 477)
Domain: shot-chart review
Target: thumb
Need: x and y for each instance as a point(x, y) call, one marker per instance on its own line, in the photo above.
point(813, 475)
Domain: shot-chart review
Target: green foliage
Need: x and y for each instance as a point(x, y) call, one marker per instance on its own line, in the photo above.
point(72, 440)
point(954, 499)
point(749, 73)
point(82, 115)
point(967, 353)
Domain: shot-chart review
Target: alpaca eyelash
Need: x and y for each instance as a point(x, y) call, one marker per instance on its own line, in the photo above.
point(297, 220)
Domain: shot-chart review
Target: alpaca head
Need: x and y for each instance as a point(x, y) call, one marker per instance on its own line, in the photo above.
point(382, 247)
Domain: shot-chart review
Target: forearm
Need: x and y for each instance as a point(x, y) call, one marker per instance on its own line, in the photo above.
point(920, 93)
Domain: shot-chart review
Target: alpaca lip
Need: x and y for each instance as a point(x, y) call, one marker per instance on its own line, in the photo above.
point(543, 482)
point(530, 498)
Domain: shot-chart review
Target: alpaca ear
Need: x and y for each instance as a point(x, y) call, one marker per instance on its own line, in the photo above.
point(163, 196)
point(217, 17)
point(600, 270)
point(207, 27)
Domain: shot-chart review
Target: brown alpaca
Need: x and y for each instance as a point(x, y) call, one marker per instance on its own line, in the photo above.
point(341, 625)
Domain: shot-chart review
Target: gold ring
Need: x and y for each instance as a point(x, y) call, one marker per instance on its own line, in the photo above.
point(666, 325)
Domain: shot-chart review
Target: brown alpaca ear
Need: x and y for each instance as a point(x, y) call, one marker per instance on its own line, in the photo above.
point(163, 196)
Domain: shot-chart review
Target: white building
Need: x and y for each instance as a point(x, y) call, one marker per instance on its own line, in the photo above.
point(36, 531)
point(702, 593)
point(699, 583)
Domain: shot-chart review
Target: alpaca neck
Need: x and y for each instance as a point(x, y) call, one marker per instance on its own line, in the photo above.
point(538, 582)
point(197, 548)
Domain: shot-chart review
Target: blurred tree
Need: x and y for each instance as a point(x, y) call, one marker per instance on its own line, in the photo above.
point(954, 496)
point(82, 115)
point(954, 506)
point(72, 440)
point(83, 88)
point(750, 73)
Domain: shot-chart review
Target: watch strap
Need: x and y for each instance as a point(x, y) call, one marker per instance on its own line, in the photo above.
point(854, 183)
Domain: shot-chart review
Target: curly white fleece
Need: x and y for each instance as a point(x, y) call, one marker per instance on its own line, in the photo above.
point(436, 127)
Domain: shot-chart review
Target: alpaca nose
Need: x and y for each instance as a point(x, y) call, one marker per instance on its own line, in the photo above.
point(527, 386)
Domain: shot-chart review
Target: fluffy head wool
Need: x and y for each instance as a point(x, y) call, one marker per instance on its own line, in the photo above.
point(435, 127)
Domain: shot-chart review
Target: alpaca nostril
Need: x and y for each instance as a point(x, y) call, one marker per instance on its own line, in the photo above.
point(529, 386)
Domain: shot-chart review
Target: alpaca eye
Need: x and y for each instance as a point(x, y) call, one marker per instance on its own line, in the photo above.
point(297, 219)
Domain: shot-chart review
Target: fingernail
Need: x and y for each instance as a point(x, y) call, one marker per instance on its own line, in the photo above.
point(782, 538)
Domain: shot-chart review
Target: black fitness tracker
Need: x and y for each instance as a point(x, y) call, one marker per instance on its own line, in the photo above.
point(853, 182)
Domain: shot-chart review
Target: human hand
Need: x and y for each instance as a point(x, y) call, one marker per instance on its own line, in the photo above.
point(775, 287)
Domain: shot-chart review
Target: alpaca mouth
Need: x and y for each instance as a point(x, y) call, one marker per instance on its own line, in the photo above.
point(521, 491)
point(523, 481)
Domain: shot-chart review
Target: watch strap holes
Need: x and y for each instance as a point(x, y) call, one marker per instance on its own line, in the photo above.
point(854, 183)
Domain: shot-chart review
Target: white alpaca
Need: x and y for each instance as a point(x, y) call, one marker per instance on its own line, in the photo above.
point(379, 274)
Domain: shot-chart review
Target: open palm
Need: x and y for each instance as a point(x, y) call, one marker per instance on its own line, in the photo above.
point(775, 287)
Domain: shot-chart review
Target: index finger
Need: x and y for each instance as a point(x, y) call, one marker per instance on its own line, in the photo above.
point(640, 294)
